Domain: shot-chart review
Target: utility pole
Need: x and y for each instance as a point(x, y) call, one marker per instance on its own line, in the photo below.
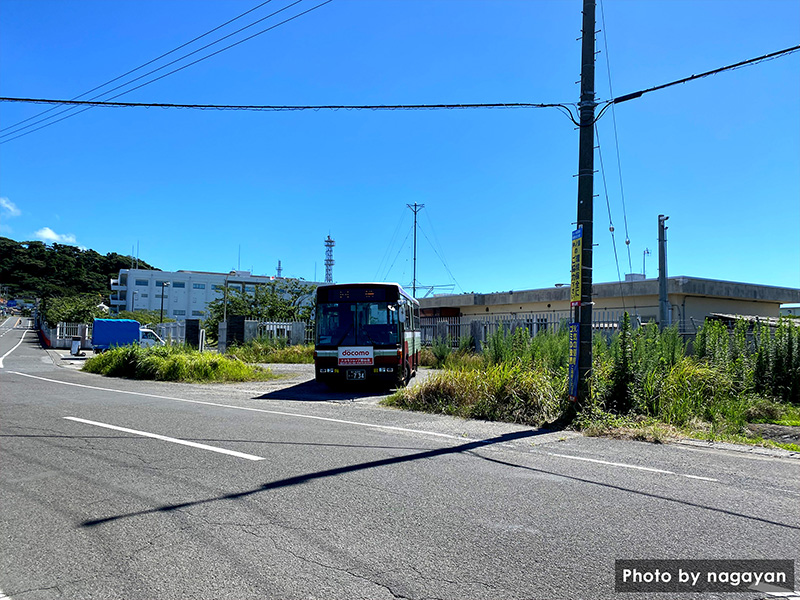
point(415, 208)
point(663, 300)
point(164, 285)
point(586, 202)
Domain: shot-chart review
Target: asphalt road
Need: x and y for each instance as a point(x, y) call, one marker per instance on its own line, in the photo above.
point(125, 489)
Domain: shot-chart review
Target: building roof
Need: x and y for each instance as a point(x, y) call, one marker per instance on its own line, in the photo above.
point(689, 286)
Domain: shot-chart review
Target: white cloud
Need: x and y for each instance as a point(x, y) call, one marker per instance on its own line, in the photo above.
point(46, 234)
point(9, 208)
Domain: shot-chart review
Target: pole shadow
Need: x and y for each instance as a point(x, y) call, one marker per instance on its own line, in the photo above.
point(309, 477)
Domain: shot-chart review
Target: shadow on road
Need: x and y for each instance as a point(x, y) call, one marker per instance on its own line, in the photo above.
point(312, 391)
point(465, 448)
point(308, 477)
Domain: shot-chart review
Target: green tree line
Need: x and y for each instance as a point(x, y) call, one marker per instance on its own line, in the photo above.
point(34, 269)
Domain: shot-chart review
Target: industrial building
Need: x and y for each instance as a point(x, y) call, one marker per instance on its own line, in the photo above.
point(691, 300)
point(181, 294)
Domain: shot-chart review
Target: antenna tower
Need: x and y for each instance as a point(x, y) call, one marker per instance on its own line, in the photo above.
point(279, 269)
point(329, 244)
point(415, 208)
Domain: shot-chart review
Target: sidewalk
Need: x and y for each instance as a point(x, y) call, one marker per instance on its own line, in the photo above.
point(61, 357)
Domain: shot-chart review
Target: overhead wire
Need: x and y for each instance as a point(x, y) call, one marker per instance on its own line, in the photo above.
point(389, 247)
point(177, 60)
point(143, 65)
point(610, 219)
point(402, 244)
point(441, 248)
point(616, 140)
point(739, 65)
point(441, 259)
point(280, 107)
point(176, 70)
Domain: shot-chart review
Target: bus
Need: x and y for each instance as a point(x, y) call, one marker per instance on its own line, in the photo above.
point(366, 332)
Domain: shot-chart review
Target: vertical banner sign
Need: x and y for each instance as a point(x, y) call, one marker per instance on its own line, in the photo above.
point(574, 338)
point(577, 263)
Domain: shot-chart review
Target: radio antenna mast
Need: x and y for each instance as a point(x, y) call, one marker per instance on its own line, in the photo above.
point(415, 208)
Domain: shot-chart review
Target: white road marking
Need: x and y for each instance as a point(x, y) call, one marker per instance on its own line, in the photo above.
point(356, 423)
point(249, 408)
point(627, 466)
point(14, 348)
point(168, 439)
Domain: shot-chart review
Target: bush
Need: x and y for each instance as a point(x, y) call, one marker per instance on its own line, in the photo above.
point(441, 350)
point(505, 392)
point(172, 363)
point(266, 350)
point(426, 357)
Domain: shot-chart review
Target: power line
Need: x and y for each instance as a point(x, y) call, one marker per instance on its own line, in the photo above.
point(610, 220)
point(278, 108)
point(744, 63)
point(180, 68)
point(616, 144)
point(209, 32)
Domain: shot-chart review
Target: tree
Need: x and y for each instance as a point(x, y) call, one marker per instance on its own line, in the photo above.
point(279, 300)
point(73, 309)
point(34, 269)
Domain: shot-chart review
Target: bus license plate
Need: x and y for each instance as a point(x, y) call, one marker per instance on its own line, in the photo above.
point(357, 374)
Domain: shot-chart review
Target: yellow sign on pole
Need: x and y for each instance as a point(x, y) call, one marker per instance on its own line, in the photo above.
point(577, 264)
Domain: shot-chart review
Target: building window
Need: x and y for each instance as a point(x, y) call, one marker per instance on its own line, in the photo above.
point(250, 288)
point(179, 284)
point(142, 282)
point(218, 288)
point(144, 295)
point(161, 283)
point(199, 286)
point(198, 313)
point(178, 313)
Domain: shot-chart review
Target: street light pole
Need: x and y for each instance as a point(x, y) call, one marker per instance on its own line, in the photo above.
point(164, 284)
point(225, 301)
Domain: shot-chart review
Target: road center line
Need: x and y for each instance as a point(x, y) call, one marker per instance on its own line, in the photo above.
point(168, 439)
point(14, 348)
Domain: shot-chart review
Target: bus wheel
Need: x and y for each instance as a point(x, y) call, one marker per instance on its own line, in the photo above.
point(403, 380)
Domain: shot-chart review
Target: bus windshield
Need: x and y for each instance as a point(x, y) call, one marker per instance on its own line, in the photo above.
point(357, 324)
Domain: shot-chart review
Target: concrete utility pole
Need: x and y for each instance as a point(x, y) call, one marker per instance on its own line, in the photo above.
point(415, 208)
point(664, 313)
point(586, 201)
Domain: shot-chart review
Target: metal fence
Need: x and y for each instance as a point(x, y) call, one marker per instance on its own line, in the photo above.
point(481, 328)
point(172, 333)
point(68, 330)
point(283, 330)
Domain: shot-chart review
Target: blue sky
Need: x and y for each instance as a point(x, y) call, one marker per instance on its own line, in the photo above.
point(214, 190)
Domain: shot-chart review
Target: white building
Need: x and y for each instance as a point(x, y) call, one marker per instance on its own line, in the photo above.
point(186, 294)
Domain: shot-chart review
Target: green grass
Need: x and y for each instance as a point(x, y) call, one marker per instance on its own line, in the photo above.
point(667, 394)
point(504, 392)
point(173, 363)
point(270, 351)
